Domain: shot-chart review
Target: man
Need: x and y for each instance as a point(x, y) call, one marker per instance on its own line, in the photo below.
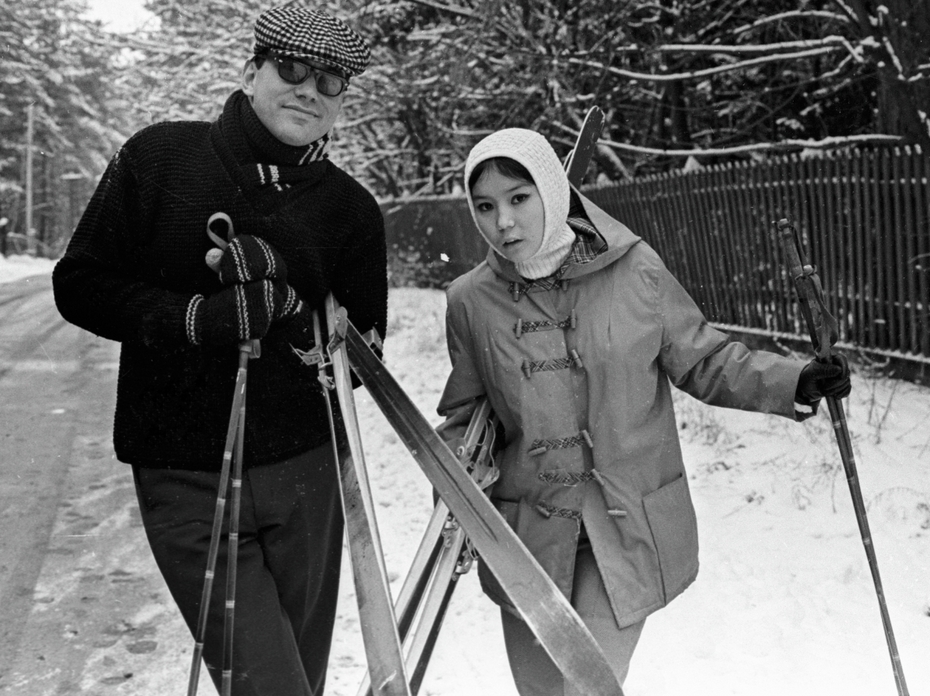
point(135, 272)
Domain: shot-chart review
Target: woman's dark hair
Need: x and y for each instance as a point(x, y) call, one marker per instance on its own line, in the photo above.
point(503, 166)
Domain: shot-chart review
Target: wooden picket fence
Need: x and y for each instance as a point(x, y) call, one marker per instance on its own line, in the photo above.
point(864, 218)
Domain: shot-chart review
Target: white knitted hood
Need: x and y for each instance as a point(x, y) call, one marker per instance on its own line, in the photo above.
point(534, 152)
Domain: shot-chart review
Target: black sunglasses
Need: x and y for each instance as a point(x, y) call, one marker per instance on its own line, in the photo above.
point(295, 72)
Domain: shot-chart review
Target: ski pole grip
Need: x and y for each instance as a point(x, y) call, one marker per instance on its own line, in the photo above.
point(789, 243)
point(220, 231)
point(821, 325)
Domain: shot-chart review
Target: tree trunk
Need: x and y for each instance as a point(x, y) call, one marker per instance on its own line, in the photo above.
point(897, 99)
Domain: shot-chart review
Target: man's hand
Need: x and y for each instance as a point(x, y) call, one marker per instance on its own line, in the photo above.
point(247, 259)
point(820, 379)
point(283, 306)
point(234, 314)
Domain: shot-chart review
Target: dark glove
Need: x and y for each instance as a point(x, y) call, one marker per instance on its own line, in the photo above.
point(234, 314)
point(820, 379)
point(248, 259)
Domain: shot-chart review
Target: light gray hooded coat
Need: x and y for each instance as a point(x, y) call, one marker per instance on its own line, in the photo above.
point(580, 378)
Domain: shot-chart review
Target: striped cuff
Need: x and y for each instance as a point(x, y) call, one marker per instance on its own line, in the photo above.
point(804, 411)
point(292, 304)
point(190, 319)
point(270, 261)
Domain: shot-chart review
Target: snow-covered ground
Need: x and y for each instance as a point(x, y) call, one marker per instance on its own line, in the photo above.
point(21, 266)
point(784, 603)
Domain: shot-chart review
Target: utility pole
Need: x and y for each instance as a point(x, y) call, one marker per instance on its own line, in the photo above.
point(30, 232)
point(72, 179)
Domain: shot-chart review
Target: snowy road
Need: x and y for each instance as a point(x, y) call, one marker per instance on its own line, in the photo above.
point(81, 606)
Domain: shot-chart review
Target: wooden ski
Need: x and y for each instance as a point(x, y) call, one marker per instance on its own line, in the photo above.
point(386, 668)
point(443, 556)
point(580, 157)
point(422, 602)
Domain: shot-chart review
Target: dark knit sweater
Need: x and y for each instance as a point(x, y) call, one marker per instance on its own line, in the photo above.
point(137, 258)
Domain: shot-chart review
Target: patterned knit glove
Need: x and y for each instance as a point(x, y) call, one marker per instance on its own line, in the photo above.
point(247, 259)
point(234, 314)
point(290, 306)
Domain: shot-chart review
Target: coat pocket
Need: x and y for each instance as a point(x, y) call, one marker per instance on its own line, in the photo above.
point(673, 524)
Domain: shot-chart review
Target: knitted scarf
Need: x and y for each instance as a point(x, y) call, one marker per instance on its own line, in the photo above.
point(259, 159)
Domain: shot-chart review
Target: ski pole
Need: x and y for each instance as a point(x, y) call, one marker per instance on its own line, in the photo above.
point(823, 332)
point(237, 414)
point(232, 459)
point(232, 556)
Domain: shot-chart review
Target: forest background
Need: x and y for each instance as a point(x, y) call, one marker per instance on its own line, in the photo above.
point(683, 82)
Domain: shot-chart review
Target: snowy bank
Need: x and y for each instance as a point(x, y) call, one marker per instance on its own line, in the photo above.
point(21, 266)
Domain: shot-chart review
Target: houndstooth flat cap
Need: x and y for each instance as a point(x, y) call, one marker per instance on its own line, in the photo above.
point(299, 32)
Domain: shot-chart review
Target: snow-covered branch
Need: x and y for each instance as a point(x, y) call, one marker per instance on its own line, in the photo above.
point(766, 49)
point(706, 72)
point(795, 14)
point(791, 144)
point(454, 9)
point(823, 144)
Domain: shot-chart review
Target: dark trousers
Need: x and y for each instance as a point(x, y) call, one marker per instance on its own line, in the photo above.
point(290, 549)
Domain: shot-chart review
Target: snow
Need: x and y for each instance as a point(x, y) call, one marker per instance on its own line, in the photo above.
point(22, 266)
point(120, 16)
point(784, 602)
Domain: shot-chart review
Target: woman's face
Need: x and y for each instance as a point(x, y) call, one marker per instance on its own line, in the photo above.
point(510, 214)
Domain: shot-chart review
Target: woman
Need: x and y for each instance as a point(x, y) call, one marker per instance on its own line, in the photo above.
point(573, 329)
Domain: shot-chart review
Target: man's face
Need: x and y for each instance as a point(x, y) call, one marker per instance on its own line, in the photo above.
point(295, 114)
